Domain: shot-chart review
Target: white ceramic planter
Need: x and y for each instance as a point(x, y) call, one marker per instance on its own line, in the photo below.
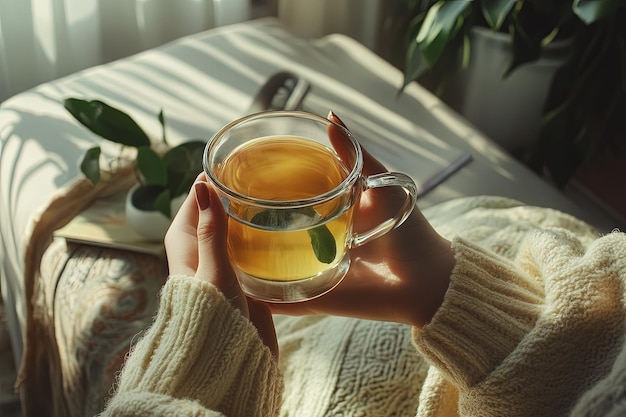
point(508, 110)
point(151, 225)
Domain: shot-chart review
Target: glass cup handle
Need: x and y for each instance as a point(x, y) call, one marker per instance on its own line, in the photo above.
point(388, 179)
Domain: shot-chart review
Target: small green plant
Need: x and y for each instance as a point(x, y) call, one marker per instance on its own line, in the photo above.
point(162, 176)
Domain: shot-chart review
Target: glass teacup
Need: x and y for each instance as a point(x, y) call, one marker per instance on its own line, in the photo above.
point(291, 200)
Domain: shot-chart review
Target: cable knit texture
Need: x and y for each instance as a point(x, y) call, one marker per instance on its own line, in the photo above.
point(535, 326)
point(337, 366)
point(532, 324)
point(203, 353)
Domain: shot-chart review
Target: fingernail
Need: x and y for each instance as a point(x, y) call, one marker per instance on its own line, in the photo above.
point(202, 195)
point(332, 115)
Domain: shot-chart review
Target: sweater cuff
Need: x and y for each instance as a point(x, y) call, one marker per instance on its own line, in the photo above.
point(488, 308)
point(136, 403)
point(201, 348)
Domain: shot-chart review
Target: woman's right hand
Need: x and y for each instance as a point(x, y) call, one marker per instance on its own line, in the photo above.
point(401, 276)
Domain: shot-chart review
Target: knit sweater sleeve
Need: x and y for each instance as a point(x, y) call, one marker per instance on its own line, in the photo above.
point(200, 357)
point(527, 336)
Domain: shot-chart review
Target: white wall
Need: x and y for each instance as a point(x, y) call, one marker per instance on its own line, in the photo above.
point(358, 19)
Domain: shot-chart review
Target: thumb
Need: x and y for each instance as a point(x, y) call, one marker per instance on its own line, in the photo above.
point(213, 262)
point(339, 140)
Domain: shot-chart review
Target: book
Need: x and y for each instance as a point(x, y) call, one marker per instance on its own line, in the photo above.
point(104, 224)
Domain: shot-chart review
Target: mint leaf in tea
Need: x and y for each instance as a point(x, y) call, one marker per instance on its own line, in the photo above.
point(323, 243)
point(322, 240)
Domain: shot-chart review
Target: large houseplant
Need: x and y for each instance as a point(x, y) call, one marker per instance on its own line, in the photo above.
point(163, 172)
point(583, 113)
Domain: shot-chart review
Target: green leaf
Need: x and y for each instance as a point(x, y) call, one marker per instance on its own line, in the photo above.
point(415, 63)
point(433, 50)
point(151, 167)
point(322, 240)
point(438, 24)
point(144, 197)
point(590, 11)
point(441, 17)
point(533, 24)
point(162, 121)
point(496, 11)
point(415, 66)
point(465, 52)
point(151, 198)
point(163, 203)
point(183, 163)
point(107, 122)
point(525, 48)
point(273, 219)
point(323, 244)
point(90, 166)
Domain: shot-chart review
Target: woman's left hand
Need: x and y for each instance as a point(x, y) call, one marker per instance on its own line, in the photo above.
point(196, 246)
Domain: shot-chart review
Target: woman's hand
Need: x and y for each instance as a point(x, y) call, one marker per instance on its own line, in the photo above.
point(401, 276)
point(195, 245)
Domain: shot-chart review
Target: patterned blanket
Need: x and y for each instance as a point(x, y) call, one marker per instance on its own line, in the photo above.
point(87, 304)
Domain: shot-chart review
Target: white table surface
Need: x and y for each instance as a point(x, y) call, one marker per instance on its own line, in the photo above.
point(204, 81)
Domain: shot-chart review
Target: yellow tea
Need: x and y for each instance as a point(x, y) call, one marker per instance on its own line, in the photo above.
point(286, 244)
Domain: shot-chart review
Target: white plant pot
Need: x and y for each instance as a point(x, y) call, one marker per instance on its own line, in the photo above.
point(150, 225)
point(508, 110)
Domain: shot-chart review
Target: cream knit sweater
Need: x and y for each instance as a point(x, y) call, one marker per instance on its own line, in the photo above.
point(533, 324)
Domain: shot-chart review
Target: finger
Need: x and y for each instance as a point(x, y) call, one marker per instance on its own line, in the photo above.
point(371, 166)
point(186, 218)
point(213, 263)
point(180, 241)
point(342, 144)
point(187, 214)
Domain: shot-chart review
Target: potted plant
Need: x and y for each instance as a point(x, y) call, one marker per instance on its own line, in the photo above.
point(164, 173)
point(583, 107)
